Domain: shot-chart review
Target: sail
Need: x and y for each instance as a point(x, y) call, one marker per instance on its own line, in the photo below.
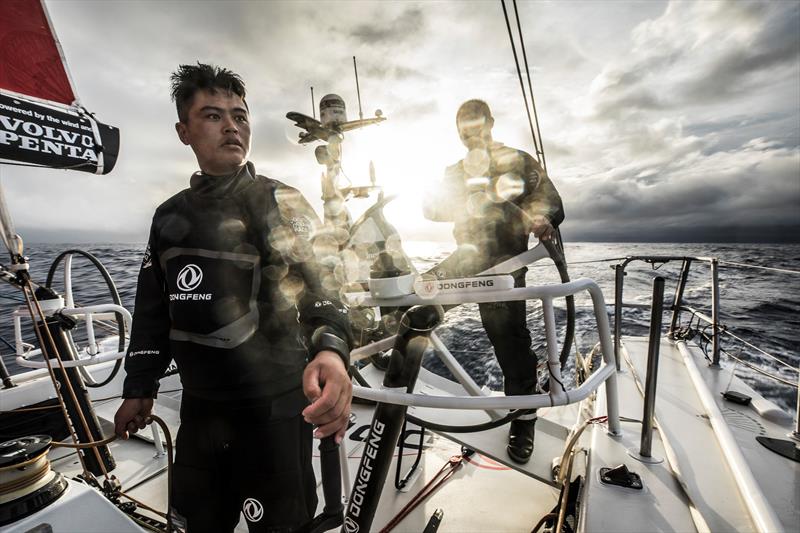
point(30, 58)
point(41, 120)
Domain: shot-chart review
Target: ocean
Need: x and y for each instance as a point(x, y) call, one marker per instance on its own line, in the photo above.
point(760, 306)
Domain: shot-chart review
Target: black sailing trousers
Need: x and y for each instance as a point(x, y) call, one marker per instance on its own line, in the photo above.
point(249, 457)
point(505, 323)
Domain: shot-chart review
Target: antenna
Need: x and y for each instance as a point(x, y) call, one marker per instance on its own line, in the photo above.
point(313, 108)
point(358, 91)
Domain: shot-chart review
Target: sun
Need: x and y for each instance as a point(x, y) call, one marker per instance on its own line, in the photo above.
point(409, 161)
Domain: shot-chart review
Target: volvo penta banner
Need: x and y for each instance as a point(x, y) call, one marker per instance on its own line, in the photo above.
point(47, 136)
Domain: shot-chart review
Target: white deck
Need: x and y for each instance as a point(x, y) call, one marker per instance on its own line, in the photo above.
point(695, 469)
point(691, 489)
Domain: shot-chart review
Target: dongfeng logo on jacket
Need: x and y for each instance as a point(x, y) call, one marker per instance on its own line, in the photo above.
point(189, 278)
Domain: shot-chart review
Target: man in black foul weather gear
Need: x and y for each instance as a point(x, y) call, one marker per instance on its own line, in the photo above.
point(233, 290)
point(497, 196)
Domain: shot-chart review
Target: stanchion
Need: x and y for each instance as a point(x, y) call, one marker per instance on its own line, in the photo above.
point(652, 368)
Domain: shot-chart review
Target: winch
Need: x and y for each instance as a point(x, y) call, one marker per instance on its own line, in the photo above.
point(27, 484)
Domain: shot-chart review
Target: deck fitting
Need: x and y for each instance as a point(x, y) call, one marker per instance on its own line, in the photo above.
point(621, 477)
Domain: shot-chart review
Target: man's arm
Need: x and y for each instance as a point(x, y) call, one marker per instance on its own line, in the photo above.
point(148, 352)
point(542, 203)
point(323, 318)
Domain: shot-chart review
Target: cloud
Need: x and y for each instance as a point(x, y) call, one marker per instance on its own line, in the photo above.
point(394, 31)
point(654, 114)
point(696, 126)
point(701, 54)
point(755, 185)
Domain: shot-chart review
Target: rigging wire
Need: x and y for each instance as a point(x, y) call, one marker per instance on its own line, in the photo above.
point(688, 333)
point(537, 139)
point(760, 371)
point(756, 348)
point(519, 74)
point(569, 263)
point(760, 267)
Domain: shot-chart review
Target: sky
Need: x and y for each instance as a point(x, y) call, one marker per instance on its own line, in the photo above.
point(661, 121)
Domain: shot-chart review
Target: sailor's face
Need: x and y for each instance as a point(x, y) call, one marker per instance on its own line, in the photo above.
point(218, 130)
point(474, 130)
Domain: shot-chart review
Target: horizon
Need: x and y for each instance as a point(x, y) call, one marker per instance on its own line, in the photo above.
point(567, 242)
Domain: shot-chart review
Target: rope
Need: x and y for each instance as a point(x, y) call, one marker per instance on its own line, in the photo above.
point(544, 519)
point(85, 445)
point(30, 409)
point(170, 462)
point(30, 298)
point(51, 407)
point(445, 473)
point(30, 478)
point(167, 438)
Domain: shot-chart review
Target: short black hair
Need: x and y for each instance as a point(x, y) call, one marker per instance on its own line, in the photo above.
point(189, 79)
point(474, 107)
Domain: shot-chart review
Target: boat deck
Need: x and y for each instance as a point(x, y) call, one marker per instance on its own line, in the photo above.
point(694, 468)
point(690, 486)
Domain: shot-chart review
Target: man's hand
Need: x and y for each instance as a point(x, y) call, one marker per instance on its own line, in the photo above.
point(329, 389)
point(132, 416)
point(541, 228)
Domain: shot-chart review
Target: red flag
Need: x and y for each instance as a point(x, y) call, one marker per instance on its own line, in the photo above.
point(30, 59)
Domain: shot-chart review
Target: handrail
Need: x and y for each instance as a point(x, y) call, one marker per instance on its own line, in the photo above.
point(557, 395)
point(535, 292)
point(94, 360)
point(87, 312)
point(676, 304)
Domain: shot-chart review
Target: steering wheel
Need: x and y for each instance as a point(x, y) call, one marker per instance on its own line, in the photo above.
point(70, 304)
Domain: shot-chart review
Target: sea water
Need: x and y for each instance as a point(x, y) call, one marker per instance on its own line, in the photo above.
point(760, 306)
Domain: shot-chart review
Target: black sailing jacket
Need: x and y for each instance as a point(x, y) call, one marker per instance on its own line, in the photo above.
point(486, 193)
point(229, 265)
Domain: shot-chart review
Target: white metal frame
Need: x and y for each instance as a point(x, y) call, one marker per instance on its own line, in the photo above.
point(88, 314)
point(558, 394)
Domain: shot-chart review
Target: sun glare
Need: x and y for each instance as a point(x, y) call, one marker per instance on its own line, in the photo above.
point(409, 160)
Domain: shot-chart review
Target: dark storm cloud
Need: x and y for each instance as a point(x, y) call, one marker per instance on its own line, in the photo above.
point(753, 187)
point(657, 77)
point(394, 31)
point(700, 126)
point(728, 133)
point(775, 44)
